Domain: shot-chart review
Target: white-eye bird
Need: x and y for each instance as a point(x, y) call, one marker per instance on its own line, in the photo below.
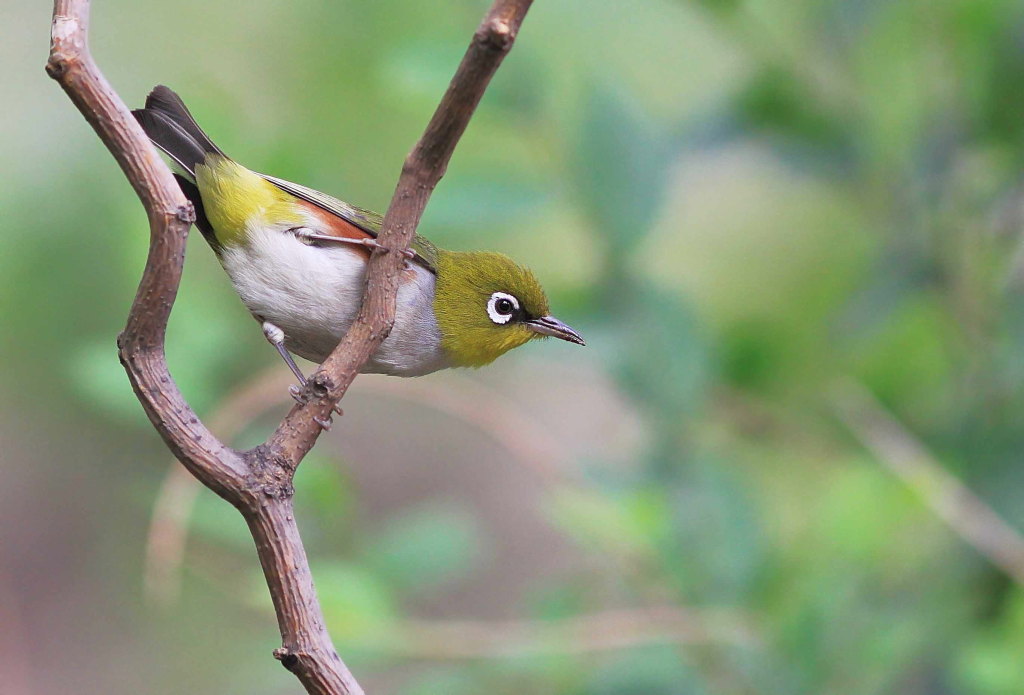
point(297, 258)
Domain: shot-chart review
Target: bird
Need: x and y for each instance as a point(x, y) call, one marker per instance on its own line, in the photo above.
point(297, 258)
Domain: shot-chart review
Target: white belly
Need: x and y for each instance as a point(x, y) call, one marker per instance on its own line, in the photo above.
point(313, 293)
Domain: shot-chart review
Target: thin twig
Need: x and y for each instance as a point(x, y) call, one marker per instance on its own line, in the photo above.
point(579, 634)
point(259, 482)
point(584, 633)
point(952, 501)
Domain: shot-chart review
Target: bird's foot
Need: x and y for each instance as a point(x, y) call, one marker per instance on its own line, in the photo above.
point(299, 394)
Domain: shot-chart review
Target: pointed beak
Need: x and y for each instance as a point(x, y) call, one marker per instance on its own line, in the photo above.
point(549, 325)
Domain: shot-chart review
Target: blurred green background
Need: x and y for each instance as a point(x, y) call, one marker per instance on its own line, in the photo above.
point(790, 231)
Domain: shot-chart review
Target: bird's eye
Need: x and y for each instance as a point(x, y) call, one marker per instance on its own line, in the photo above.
point(501, 306)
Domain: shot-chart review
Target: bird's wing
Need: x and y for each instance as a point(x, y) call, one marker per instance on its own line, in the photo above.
point(365, 221)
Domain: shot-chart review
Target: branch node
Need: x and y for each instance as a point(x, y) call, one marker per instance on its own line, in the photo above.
point(57, 66)
point(321, 384)
point(496, 35)
point(287, 658)
point(186, 214)
point(279, 491)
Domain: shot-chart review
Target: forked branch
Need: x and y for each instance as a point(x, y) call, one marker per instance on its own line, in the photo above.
point(259, 482)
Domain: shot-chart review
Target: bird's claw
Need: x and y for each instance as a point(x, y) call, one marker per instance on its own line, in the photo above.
point(325, 423)
point(374, 244)
point(296, 392)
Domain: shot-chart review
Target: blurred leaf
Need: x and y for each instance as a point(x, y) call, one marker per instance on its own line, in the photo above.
point(777, 102)
point(720, 6)
point(220, 523)
point(860, 513)
point(356, 603)
point(662, 360)
point(450, 681)
point(480, 203)
point(425, 547)
point(622, 161)
point(603, 522)
point(990, 663)
point(320, 486)
point(716, 544)
point(651, 671)
point(99, 378)
point(909, 362)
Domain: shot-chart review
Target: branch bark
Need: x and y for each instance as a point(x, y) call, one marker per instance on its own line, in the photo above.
point(258, 482)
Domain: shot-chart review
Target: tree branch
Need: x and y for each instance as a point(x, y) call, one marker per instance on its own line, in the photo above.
point(258, 482)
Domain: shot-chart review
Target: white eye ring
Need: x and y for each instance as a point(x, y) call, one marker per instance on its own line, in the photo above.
point(502, 299)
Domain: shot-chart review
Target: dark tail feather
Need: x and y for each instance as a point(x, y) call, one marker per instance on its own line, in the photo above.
point(164, 100)
point(171, 138)
point(171, 128)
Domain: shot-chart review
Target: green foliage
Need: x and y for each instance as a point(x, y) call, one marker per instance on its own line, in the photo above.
point(353, 598)
point(656, 671)
point(424, 548)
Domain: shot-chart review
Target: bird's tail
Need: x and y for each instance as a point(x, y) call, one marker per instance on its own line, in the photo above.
point(170, 126)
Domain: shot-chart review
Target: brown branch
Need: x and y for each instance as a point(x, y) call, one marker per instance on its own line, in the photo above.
point(579, 634)
point(259, 482)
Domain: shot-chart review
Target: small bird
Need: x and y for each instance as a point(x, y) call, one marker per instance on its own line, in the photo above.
point(297, 258)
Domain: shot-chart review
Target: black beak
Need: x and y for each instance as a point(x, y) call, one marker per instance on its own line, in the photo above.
point(549, 325)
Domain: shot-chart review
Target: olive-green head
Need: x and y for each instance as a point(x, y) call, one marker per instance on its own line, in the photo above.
point(486, 304)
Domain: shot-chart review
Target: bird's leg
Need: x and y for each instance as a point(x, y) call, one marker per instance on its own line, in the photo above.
point(275, 336)
point(307, 236)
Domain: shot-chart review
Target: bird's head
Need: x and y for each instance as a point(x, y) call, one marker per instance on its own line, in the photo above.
point(486, 304)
